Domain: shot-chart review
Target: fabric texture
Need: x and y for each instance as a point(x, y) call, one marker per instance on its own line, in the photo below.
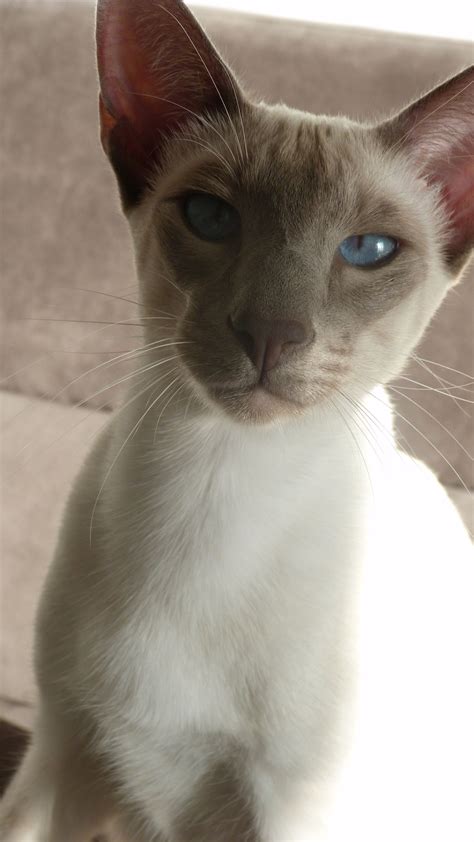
point(43, 447)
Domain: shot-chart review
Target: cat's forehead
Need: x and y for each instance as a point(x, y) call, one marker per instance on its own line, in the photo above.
point(286, 164)
point(299, 163)
point(286, 141)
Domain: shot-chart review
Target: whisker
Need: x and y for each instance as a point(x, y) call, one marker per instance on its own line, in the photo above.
point(428, 441)
point(445, 390)
point(129, 376)
point(440, 365)
point(433, 418)
point(59, 438)
point(117, 456)
point(131, 354)
point(237, 101)
point(116, 413)
point(207, 71)
point(354, 438)
point(80, 404)
point(128, 355)
point(107, 295)
point(358, 407)
point(126, 322)
point(74, 321)
point(428, 116)
point(166, 406)
point(440, 382)
point(211, 151)
point(51, 353)
point(175, 285)
point(198, 117)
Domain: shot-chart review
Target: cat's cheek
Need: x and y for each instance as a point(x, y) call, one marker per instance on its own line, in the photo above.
point(384, 344)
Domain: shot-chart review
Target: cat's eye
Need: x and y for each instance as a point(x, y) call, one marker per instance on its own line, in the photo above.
point(368, 249)
point(210, 217)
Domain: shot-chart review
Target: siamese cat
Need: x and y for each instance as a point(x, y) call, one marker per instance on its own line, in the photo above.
point(259, 622)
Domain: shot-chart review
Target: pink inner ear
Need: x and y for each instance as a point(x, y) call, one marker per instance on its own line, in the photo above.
point(129, 85)
point(157, 69)
point(458, 193)
point(438, 132)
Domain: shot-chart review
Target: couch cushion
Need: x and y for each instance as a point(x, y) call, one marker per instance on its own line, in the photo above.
point(43, 447)
point(62, 229)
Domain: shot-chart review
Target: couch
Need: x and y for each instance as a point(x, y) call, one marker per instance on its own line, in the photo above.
point(68, 277)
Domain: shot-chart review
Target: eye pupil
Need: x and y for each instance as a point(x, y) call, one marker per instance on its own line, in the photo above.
point(368, 249)
point(209, 217)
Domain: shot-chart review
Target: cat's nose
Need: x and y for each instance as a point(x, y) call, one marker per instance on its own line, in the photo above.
point(264, 340)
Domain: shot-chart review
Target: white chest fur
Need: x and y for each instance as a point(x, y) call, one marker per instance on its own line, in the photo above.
point(250, 591)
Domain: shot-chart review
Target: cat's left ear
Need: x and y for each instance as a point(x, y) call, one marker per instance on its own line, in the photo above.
point(437, 132)
point(157, 71)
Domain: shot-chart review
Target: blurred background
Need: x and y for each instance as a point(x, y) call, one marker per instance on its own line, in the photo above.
point(447, 20)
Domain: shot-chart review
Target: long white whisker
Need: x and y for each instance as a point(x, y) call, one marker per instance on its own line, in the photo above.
point(127, 355)
point(433, 418)
point(133, 374)
point(109, 295)
point(354, 438)
point(121, 449)
point(237, 102)
point(425, 438)
point(168, 12)
point(358, 408)
point(211, 151)
point(428, 116)
point(82, 420)
point(173, 284)
point(440, 365)
point(438, 379)
point(131, 354)
point(173, 395)
point(445, 390)
point(198, 117)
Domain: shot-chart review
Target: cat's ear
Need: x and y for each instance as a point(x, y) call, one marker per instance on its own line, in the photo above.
point(437, 132)
point(157, 70)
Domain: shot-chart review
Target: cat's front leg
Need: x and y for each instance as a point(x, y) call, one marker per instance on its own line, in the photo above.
point(60, 792)
point(25, 810)
point(220, 796)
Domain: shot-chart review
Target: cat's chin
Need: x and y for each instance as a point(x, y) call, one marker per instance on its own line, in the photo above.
point(256, 405)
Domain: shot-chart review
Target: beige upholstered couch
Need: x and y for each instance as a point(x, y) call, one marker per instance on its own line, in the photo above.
point(66, 253)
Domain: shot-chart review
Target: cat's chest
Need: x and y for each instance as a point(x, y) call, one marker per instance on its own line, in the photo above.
point(236, 584)
point(220, 650)
point(232, 604)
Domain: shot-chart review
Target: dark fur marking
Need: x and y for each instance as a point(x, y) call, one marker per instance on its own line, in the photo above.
point(220, 810)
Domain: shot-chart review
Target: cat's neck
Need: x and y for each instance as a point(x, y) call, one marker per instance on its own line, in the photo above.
point(221, 505)
point(178, 449)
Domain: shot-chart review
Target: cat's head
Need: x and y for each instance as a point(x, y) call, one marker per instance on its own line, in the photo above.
point(290, 257)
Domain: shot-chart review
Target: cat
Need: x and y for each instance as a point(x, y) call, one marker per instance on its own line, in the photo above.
point(258, 625)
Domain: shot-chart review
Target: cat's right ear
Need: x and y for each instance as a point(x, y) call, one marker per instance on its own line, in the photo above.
point(437, 133)
point(157, 70)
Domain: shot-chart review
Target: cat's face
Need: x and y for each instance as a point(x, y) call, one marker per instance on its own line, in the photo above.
point(299, 258)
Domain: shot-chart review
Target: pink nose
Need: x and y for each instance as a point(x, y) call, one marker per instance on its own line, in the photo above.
point(264, 340)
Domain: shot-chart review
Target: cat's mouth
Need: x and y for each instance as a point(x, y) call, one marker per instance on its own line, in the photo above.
point(253, 397)
point(260, 402)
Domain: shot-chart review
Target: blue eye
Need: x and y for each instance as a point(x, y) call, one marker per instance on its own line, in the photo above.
point(367, 249)
point(210, 217)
